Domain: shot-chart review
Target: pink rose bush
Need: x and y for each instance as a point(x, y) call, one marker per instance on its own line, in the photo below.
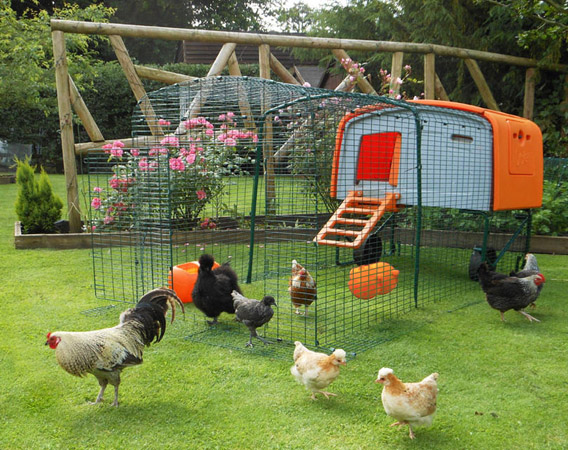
point(191, 169)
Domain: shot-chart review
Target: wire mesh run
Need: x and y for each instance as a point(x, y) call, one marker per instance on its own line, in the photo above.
point(349, 209)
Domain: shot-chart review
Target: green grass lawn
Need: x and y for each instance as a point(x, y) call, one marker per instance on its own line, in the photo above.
point(502, 385)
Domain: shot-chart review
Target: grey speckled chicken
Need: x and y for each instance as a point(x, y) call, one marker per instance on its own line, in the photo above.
point(530, 268)
point(504, 292)
point(253, 313)
point(105, 353)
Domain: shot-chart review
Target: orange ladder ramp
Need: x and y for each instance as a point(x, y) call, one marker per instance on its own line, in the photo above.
point(369, 209)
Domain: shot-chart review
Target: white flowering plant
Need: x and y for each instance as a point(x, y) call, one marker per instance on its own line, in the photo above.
point(185, 171)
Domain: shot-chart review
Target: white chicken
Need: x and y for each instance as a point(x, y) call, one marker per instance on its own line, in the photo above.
point(412, 404)
point(106, 352)
point(316, 370)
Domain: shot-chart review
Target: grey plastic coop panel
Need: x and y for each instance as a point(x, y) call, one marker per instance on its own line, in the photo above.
point(456, 154)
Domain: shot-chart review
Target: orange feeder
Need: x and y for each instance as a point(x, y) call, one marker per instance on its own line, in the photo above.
point(182, 279)
point(370, 280)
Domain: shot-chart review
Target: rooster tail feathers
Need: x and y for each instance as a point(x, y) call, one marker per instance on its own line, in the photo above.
point(163, 297)
point(150, 313)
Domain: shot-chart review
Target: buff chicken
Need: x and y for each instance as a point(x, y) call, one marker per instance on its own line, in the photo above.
point(105, 353)
point(412, 404)
point(316, 370)
point(302, 288)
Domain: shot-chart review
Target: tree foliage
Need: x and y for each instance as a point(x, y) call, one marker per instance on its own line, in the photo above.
point(28, 100)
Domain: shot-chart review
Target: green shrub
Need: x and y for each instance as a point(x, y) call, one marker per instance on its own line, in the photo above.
point(37, 207)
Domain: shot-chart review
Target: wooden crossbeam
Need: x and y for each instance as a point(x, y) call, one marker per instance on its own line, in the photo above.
point(481, 84)
point(216, 68)
point(84, 114)
point(362, 82)
point(135, 84)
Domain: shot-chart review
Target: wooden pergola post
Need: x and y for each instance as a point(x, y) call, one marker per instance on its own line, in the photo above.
point(396, 71)
point(528, 107)
point(268, 146)
point(66, 127)
point(430, 76)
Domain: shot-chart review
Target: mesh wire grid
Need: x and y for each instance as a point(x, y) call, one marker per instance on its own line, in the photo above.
point(251, 171)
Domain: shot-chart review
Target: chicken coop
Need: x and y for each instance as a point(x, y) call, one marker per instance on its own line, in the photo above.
point(388, 205)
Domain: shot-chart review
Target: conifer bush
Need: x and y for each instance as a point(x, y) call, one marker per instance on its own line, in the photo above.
point(37, 207)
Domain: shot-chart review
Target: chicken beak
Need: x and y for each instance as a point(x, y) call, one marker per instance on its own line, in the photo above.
point(378, 381)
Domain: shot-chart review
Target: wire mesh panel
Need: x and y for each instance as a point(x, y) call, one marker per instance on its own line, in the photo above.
point(349, 209)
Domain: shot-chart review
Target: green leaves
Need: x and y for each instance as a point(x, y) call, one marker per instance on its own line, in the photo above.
point(37, 207)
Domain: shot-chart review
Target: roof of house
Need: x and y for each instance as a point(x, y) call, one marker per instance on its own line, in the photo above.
point(192, 52)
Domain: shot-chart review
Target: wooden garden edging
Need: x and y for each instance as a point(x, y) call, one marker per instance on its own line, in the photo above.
point(69, 98)
point(557, 245)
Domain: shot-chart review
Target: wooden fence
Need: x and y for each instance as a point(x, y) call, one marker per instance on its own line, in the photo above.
point(69, 98)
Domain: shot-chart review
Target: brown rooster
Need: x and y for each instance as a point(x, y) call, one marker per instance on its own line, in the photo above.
point(104, 353)
point(302, 288)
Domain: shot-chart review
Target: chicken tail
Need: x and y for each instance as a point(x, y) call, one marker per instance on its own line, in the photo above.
point(150, 313)
point(484, 275)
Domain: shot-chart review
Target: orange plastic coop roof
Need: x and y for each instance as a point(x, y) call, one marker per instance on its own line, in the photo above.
point(517, 157)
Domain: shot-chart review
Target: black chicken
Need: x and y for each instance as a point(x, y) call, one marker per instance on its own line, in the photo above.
point(504, 292)
point(212, 291)
point(530, 268)
point(253, 313)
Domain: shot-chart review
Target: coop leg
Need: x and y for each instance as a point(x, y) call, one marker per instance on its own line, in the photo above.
point(502, 316)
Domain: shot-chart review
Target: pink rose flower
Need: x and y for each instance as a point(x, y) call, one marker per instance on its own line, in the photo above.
point(97, 189)
point(190, 158)
point(143, 164)
point(201, 194)
point(164, 122)
point(177, 164)
point(171, 141)
point(135, 152)
point(96, 203)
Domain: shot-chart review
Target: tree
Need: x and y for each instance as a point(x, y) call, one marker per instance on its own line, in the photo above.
point(28, 100)
point(296, 19)
point(227, 15)
point(545, 34)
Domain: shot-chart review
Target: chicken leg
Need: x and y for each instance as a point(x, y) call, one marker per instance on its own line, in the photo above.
point(401, 423)
point(528, 316)
point(253, 333)
point(103, 384)
point(324, 393)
